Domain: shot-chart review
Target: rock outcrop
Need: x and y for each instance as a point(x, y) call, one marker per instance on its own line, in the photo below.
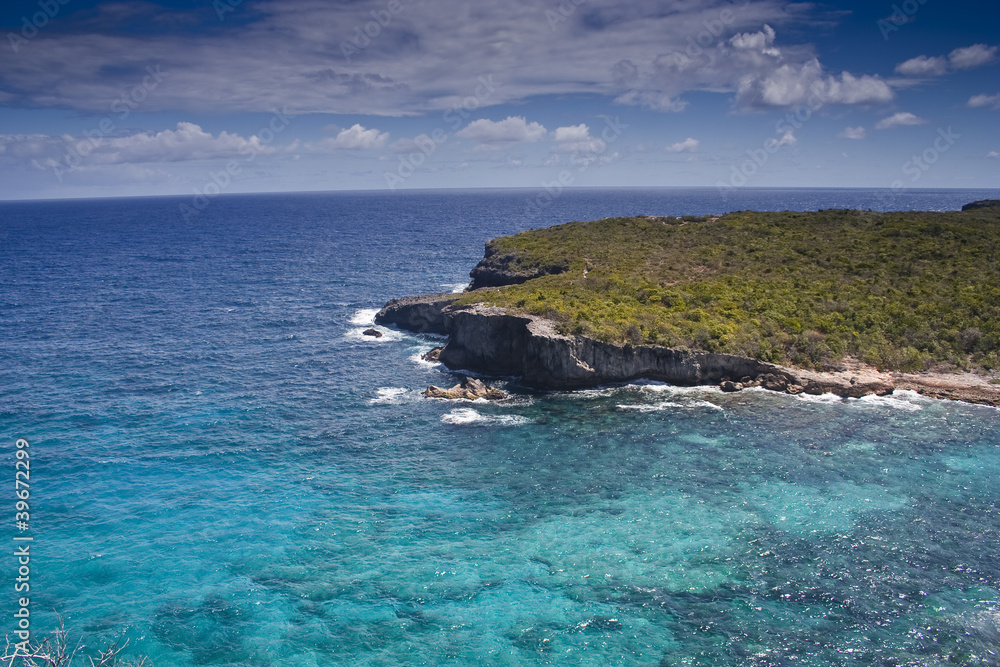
point(469, 389)
point(982, 203)
point(499, 268)
point(490, 340)
point(420, 314)
point(374, 333)
point(493, 341)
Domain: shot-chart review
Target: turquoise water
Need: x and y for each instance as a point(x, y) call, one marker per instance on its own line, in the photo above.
point(227, 471)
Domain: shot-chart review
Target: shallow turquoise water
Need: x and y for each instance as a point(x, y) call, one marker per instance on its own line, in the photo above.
point(227, 470)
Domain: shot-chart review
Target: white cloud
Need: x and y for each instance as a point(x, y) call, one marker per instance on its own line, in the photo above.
point(793, 85)
point(899, 120)
point(289, 52)
point(993, 155)
point(962, 58)
point(923, 66)
point(689, 145)
point(186, 142)
point(762, 41)
point(355, 138)
point(579, 132)
point(853, 133)
point(787, 139)
point(985, 101)
point(511, 130)
point(576, 139)
point(972, 56)
point(650, 99)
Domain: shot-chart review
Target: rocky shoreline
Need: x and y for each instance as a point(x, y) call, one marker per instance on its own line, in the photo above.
point(493, 341)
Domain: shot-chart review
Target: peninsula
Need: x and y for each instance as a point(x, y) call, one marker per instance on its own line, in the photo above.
point(842, 301)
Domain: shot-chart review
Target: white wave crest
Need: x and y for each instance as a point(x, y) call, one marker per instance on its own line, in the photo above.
point(389, 395)
point(470, 416)
point(666, 405)
point(662, 387)
point(364, 317)
point(418, 359)
point(898, 400)
point(819, 398)
point(359, 335)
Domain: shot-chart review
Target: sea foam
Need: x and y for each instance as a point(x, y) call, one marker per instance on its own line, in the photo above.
point(471, 416)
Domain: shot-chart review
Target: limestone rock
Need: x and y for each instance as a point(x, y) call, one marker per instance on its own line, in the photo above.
point(499, 268)
point(729, 386)
point(773, 382)
point(982, 203)
point(420, 314)
point(375, 333)
point(432, 355)
point(494, 341)
point(469, 389)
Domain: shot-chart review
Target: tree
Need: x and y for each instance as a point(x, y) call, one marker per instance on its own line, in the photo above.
point(54, 651)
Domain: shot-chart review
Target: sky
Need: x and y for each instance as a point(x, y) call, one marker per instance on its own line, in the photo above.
point(204, 97)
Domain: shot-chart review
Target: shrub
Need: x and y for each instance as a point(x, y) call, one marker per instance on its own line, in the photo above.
point(808, 288)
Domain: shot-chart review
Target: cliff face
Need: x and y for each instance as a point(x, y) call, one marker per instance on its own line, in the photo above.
point(420, 314)
point(491, 340)
point(499, 268)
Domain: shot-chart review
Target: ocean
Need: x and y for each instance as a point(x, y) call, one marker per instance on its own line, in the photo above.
point(225, 471)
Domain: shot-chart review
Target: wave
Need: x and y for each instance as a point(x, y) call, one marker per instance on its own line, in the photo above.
point(418, 359)
point(899, 400)
point(455, 288)
point(389, 396)
point(656, 386)
point(820, 398)
point(666, 405)
point(388, 335)
point(364, 317)
point(470, 416)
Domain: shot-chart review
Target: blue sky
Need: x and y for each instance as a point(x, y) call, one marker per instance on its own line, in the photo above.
point(186, 97)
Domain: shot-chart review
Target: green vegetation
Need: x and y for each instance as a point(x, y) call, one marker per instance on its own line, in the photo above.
point(900, 291)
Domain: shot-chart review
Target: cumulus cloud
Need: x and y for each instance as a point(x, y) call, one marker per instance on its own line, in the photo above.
point(794, 85)
point(355, 138)
point(510, 130)
point(186, 142)
point(762, 74)
point(576, 139)
point(962, 58)
point(787, 139)
point(923, 66)
point(292, 52)
point(899, 119)
point(651, 99)
point(689, 145)
point(853, 133)
point(972, 56)
point(762, 41)
point(992, 101)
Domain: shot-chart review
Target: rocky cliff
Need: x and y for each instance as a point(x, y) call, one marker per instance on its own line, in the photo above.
point(494, 341)
point(499, 268)
point(420, 314)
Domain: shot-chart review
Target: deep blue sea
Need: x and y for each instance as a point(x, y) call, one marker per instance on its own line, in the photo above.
point(226, 471)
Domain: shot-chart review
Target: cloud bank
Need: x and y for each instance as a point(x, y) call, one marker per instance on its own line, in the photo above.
point(313, 56)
